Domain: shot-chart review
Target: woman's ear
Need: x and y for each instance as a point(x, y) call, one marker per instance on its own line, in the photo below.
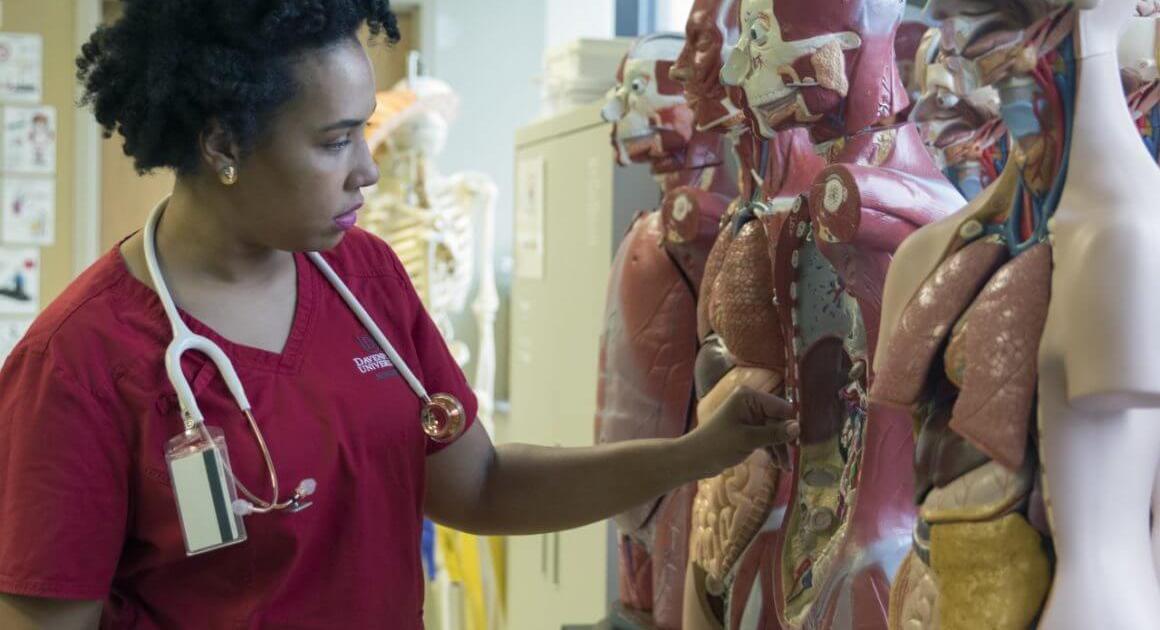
point(217, 147)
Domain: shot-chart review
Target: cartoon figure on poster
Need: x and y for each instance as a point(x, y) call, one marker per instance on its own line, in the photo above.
point(10, 334)
point(30, 140)
point(29, 211)
point(19, 280)
point(42, 140)
point(21, 68)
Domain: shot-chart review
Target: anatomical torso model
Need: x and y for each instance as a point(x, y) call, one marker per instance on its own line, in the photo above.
point(737, 514)
point(650, 339)
point(829, 67)
point(989, 320)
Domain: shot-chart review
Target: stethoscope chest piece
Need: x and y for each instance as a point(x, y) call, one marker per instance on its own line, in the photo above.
point(442, 417)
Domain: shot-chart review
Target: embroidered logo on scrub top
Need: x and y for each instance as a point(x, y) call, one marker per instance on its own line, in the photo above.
point(376, 362)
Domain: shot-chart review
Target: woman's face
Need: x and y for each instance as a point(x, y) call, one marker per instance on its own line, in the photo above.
point(308, 170)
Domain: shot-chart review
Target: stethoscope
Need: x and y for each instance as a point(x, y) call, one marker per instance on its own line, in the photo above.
point(442, 416)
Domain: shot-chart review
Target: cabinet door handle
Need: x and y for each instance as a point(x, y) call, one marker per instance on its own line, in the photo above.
point(556, 560)
point(544, 555)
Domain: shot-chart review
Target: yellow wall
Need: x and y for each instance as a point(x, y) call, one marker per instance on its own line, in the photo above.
point(126, 197)
point(55, 21)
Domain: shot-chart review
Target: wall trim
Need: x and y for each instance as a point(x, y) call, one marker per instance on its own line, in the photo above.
point(87, 238)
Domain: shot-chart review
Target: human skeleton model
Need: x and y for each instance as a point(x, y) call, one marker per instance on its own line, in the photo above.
point(649, 342)
point(429, 220)
point(987, 323)
point(829, 66)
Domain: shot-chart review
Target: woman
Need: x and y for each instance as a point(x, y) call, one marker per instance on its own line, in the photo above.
point(259, 108)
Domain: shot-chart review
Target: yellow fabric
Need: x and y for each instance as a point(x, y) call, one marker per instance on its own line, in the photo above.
point(498, 549)
point(482, 582)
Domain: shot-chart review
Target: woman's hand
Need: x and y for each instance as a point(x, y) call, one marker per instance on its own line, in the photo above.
point(747, 420)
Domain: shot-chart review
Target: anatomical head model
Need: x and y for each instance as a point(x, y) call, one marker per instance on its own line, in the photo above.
point(964, 133)
point(828, 64)
point(413, 116)
point(712, 31)
point(711, 26)
point(652, 122)
point(1139, 57)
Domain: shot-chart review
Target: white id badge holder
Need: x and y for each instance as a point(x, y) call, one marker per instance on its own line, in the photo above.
point(204, 489)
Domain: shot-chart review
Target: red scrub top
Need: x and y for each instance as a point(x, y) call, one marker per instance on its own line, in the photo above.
point(86, 409)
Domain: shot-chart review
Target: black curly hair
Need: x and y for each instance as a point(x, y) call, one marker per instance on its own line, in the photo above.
point(162, 72)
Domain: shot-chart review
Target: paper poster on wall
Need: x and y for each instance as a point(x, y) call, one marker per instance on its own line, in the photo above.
point(19, 280)
point(30, 140)
point(11, 332)
point(21, 68)
point(29, 210)
point(529, 219)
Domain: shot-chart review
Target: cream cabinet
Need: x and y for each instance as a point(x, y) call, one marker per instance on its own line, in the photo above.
point(573, 204)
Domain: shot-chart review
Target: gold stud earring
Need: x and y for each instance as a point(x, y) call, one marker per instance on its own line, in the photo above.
point(229, 175)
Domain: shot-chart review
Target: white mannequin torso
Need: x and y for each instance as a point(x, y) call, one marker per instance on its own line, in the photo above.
point(1099, 396)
